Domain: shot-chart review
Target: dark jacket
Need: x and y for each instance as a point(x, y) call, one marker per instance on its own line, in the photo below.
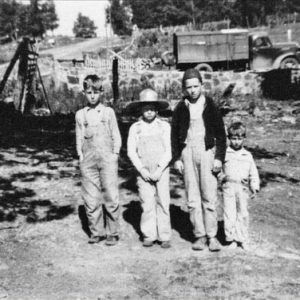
point(214, 129)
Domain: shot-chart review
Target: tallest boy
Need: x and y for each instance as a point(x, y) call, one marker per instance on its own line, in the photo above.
point(198, 147)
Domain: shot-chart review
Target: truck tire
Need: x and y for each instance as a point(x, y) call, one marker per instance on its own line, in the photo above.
point(204, 67)
point(289, 63)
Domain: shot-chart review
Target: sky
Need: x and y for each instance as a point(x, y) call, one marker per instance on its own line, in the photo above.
point(68, 10)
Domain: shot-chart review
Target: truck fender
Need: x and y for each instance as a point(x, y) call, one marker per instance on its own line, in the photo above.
point(279, 59)
point(204, 67)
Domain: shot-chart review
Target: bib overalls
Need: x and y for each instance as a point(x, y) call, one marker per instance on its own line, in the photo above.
point(155, 220)
point(99, 171)
point(201, 184)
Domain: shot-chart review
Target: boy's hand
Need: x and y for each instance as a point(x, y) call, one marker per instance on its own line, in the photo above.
point(155, 176)
point(145, 174)
point(178, 165)
point(80, 157)
point(217, 166)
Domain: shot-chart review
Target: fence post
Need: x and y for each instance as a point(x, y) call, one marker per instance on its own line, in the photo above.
point(115, 86)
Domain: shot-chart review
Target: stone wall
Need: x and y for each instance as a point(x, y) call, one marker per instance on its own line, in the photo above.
point(68, 82)
point(63, 83)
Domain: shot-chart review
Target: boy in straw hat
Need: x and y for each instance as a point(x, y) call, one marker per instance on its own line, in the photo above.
point(199, 146)
point(149, 149)
point(98, 143)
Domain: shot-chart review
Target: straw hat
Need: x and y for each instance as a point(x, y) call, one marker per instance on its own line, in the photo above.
point(147, 97)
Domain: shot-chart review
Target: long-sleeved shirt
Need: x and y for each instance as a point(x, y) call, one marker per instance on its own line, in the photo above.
point(239, 166)
point(142, 128)
point(92, 117)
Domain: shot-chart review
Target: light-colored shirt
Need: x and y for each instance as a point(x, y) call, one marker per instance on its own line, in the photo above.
point(196, 109)
point(196, 131)
point(240, 166)
point(142, 128)
point(93, 116)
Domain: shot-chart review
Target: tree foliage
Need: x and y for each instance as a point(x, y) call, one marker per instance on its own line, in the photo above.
point(84, 27)
point(33, 19)
point(9, 18)
point(153, 13)
point(119, 16)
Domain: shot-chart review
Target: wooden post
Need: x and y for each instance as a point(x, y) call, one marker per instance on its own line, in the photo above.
point(11, 65)
point(115, 85)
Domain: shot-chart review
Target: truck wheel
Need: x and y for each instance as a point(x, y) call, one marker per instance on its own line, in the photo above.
point(204, 67)
point(289, 63)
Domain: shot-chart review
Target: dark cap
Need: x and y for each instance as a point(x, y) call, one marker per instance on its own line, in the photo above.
point(189, 74)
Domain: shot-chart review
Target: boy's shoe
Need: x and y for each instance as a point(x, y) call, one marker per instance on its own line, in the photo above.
point(111, 240)
point(199, 244)
point(214, 245)
point(165, 244)
point(96, 239)
point(233, 245)
point(148, 243)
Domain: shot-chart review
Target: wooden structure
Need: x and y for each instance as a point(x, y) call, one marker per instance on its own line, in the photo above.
point(28, 73)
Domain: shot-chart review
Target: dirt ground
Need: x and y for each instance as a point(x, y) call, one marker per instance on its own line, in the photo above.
point(44, 252)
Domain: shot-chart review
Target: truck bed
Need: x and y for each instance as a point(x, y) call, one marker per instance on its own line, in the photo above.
point(209, 47)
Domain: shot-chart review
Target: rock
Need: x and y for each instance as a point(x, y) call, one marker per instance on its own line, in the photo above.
point(289, 119)
point(3, 295)
point(242, 113)
point(3, 266)
point(296, 111)
point(296, 103)
point(257, 112)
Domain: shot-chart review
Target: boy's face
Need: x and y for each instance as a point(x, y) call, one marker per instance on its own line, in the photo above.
point(236, 142)
point(149, 113)
point(93, 96)
point(193, 88)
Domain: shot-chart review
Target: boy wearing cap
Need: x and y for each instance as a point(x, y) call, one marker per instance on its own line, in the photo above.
point(98, 143)
point(239, 175)
point(149, 149)
point(198, 147)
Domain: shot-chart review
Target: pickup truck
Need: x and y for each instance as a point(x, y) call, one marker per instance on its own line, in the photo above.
point(233, 50)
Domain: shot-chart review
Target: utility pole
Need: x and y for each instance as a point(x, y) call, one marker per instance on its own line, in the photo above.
point(193, 12)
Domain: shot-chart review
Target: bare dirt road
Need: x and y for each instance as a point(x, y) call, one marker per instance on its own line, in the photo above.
point(74, 51)
point(43, 245)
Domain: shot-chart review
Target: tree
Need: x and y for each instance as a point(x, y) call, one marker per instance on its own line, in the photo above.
point(153, 13)
point(35, 25)
point(119, 15)
point(9, 18)
point(246, 13)
point(37, 18)
point(84, 27)
point(50, 19)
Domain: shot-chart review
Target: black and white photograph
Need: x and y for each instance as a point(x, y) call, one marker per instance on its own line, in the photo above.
point(149, 149)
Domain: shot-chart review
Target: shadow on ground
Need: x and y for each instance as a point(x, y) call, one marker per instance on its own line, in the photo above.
point(34, 148)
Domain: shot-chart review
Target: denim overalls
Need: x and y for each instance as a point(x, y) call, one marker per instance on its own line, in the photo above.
point(155, 219)
point(200, 183)
point(99, 170)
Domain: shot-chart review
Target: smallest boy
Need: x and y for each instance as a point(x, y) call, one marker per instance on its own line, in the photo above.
point(149, 149)
point(98, 143)
point(240, 175)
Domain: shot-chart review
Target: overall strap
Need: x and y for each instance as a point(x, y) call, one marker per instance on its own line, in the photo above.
point(85, 122)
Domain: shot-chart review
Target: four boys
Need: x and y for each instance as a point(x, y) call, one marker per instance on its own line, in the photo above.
point(198, 146)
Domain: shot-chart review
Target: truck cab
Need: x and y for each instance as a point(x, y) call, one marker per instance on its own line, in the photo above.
point(264, 55)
